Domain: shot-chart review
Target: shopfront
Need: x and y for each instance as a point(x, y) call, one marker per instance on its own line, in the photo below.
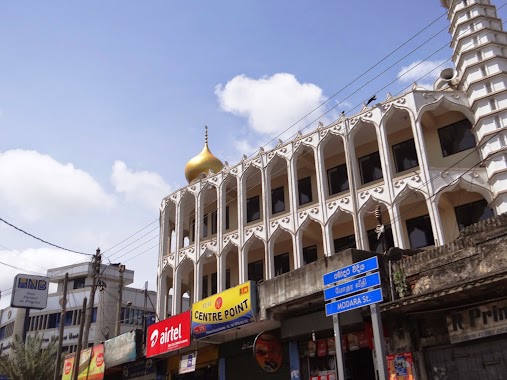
point(478, 344)
point(201, 364)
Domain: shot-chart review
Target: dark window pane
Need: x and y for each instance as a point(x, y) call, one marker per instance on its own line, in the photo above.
point(309, 254)
point(205, 287)
point(419, 232)
point(338, 179)
point(277, 200)
point(79, 283)
point(405, 155)
point(214, 284)
point(305, 190)
point(376, 244)
point(214, 222)
point(226, 217)
point(344, 242)
point(456, 137)
point(472, 213)
point(282, 264)
point(205, 226)
point(253, 209)
point(227, 279)
point(256, 271)
point(94, 315)
point(68, 318)
point(192, 230)
point(370, 167)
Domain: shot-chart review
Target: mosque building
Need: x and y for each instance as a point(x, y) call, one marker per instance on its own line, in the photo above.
point(434, 159)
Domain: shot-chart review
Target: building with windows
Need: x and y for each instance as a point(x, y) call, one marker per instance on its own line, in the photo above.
point(434, 159)
point(46, 322)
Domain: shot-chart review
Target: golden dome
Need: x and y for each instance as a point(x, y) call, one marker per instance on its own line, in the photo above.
point(203, 163)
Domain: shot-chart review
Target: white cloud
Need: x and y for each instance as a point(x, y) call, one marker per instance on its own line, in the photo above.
point(37, 186)
point(416, 70)
point(33, 261)
point(271, 104)
point(147, 188)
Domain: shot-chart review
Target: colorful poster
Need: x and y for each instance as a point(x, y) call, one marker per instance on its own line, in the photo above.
point(268, 352)
point(322, 347)
point(401, 366)
point(67, 367)
point(168, 335)
point(223, 311)
point(91, 363)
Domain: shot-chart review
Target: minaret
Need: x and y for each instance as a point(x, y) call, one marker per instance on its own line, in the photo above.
point(480, 56)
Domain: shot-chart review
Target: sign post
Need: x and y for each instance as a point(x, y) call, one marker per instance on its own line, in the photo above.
point(349, 288)
point(29, 292)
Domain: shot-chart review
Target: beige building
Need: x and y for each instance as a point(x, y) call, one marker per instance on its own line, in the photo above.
point(433, 158)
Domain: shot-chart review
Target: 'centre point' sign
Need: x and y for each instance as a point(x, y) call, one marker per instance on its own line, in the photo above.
point(223, 311)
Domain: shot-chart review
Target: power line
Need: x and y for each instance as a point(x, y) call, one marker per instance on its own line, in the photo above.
point(42, 240)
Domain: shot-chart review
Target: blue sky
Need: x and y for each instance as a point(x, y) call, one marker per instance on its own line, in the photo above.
point(103, 103)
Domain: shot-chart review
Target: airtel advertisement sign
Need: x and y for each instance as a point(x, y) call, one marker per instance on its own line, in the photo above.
point(168, 335)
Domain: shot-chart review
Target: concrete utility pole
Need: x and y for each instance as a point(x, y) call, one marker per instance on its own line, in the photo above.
point(96, 272)
point(121, 269)
point(61, 327)
point(79, 342)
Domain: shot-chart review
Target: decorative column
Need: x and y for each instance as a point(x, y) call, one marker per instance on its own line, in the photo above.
point(221, 263)
point(293, 199)
point(243, 263)
point(176, 300)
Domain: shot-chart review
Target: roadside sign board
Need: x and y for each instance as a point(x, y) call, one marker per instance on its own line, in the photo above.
point(351, 287)
point(354, 302)
point(30, 291)
point(353, 270)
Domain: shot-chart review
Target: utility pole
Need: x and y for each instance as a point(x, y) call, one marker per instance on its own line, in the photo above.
point(61, 327)
point(121, 269)
point(144, 311)
point(96, 272)
point(79, 342)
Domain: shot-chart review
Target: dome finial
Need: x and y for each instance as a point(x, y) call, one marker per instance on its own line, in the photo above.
point(202, 164)
point(206, 135)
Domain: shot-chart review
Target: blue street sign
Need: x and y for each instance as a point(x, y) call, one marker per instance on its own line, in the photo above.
point(350, 303)
point(353, 286)
point(351, 270)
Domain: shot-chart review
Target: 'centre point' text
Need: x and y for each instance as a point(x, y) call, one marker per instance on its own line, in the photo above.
point(221, 315)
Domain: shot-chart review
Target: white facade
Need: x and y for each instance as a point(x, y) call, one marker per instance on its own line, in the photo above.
point(434, 159)
point(46, 322)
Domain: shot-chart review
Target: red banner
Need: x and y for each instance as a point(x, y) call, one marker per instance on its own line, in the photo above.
point(168, 335)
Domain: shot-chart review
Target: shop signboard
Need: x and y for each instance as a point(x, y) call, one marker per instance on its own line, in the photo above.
point(223, 311)
point(168, 335)
point(91, 363)
point(187, 363)
point(478, 322)
point(138, 368)
point(67, 367)
point(30, 291)
point(122, 348)
point(268, 352)
point(354, 302)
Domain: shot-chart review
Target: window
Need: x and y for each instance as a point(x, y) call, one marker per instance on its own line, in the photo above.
point(206, 227)
point(205, 286)
point(376, 244)
point(277, 200)
point(226, 217)
point(344, 242)
point(405, 155)
point(472, 213)
point(456, 137)
point(192, 231)
point(305, 190)
point(252, 209)
point(309, 254)
point(94, 315)
point(337, 179)
point(419, 232)
point(79, 283)
point(227, 279)
point(54, 321)
point(256, 271)
point(68, 318)
point(282, 264)
point(214, 289)
point(370, 167)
